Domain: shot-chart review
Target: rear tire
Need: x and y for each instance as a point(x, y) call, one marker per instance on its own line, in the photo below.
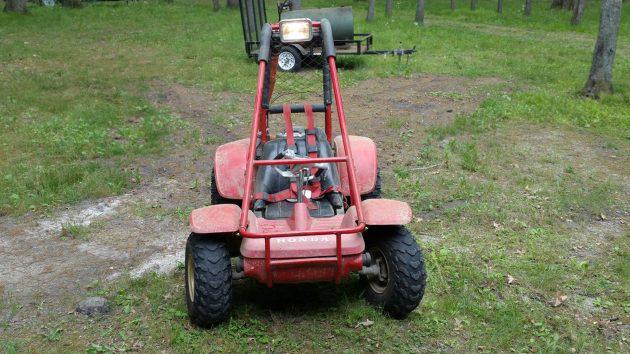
point(208, 278)
point(400, 287)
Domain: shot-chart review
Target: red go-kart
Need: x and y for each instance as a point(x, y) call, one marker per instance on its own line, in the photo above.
point(300, 206)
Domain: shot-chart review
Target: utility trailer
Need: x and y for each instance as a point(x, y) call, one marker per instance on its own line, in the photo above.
point(293, 55)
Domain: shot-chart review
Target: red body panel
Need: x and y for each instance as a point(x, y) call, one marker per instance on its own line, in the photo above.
point(230, 161)
point(386, 212)
point(365, 163)
point(214, 219)
point(303, 270)
point(303, 246)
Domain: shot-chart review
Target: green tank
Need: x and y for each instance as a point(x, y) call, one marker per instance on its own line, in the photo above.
point(340, 19)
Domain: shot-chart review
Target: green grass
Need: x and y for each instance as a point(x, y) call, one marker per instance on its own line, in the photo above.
point(74, 231)
point(74, 80)
point(74, 115)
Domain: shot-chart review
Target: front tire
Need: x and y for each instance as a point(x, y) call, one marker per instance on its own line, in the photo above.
point(208, 278)
point(399, 287)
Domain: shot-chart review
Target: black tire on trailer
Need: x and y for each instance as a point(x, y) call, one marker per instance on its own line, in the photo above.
point(289, 59)
point(215, 197)
point(208, 278)
point(377, 193)
point(399, 288)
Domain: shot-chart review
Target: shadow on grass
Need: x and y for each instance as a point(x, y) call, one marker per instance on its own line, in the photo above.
point(295, 299)
point(350, 63)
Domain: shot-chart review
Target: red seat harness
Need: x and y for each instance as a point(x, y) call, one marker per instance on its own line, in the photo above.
point(311, 148)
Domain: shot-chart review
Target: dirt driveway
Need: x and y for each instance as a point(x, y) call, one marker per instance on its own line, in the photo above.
point(42, 264)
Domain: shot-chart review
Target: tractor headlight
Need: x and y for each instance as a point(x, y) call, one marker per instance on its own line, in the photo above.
point(296, 30)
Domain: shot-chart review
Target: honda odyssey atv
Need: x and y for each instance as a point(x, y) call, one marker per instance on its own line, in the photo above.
point(301, 205)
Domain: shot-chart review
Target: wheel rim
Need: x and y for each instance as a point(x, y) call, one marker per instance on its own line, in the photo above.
point(286, 61)
point(378, 283)
point(190, 278)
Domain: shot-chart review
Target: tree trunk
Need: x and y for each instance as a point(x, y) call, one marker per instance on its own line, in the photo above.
point(556, 4)
point(370, 14)
point(453, 5)
point(297, 5)
point(528, 7)
point(567, 4)
point(600, 77)
point(420, 11)
point(15, 6)
point(232, 3)
point(500, 6)
point(578, 11)
point(473, 4)
point(216, 5)
point(389, 7)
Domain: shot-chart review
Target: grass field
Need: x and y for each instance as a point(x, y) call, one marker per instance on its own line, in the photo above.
point(525, 228)
point(73, 80)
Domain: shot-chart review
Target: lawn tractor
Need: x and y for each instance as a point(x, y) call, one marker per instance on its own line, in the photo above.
point(300, 205)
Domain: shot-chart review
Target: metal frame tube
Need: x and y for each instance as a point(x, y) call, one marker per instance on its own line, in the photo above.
point(257, 122)
point(249, 174)
point(350, 230)
point(301, 161)
point(352, 179)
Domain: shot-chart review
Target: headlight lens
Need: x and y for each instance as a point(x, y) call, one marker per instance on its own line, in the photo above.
point(297, 30)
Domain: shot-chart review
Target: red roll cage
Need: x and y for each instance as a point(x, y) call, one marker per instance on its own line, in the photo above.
point(259, 125)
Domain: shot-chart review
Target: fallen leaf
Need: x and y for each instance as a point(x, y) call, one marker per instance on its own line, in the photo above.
point(496, 224)
point(366, 323)
point(602, 216)
point(510, 279)
point(559, 300)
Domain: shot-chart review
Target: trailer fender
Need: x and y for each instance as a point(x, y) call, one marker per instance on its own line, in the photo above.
point(230, 161)
point(300, 48)
point(365, 163)
point(214, 219)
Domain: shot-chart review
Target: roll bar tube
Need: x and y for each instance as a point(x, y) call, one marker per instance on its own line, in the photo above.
point(263, 60)
point(296, 108)
point(327, 38)
point(264, 51)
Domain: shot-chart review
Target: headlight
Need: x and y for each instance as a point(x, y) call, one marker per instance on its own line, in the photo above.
point(296, 30)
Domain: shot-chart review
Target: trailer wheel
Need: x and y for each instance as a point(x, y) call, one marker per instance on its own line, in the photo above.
point(208, 274)
point(399, 287)
point(289, 59)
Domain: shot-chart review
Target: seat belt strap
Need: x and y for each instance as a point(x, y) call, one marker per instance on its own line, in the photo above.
point(311, 138)
point(286, 113)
